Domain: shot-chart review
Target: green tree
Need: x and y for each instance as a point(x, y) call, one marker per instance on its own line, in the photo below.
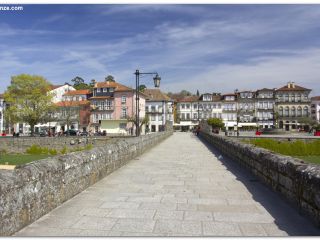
point(215, 123)
point(79, 84)
point(142, 87)
point(92, 83)
point(185, 93)
point(109, 78)
point(28, 100)
point(198, 94)
point(143, 121)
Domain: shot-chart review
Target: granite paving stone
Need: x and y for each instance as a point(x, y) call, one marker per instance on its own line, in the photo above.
point(178, 188)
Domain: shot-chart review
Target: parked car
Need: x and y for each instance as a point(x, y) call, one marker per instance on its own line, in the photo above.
point(258, 133)
point(43, 134)
point(70, 132)
point(317, 133)
point(84, 133)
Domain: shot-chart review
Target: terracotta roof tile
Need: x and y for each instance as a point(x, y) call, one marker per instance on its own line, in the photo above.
point(265, 89)
point(189, 99)
point(156, 95)
point(295, 88)
point(77, 92)
point(118, 87)
point(72, 103)
point(315, 98)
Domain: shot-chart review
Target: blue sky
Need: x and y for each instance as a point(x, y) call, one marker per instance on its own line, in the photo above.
point(213, 48)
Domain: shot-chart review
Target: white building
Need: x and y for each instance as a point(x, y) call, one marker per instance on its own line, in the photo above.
point(159, 107)
point(2, 107)
point(315, 108)
point(264, 106)
point(58, 91)
point(187, 113)
point(229, 111)
point(210, 106)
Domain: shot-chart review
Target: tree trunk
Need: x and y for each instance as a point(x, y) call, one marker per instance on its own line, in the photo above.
point(32, 129)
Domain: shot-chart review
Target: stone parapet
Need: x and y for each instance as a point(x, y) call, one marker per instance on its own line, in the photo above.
point(297, 181)
point(34, 189)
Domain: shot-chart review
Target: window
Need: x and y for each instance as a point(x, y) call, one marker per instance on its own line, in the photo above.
point(183, 106)
point(105, 89)
point(111, 89)
point(123, 99)
point(286, 112)
point(160, 117)
point(219, 105)
point(299, 97)
point(286, 97)
point(187, 106)
point(153, 108)
point(299, 112)
point(123, 113)
point(182, 116)
point(98, 89)
point(195, 106)
point(188, 116)
point(195, 116)
point(280, 111)
point(153, 117)
point(122, 125)
point(305, 111)
point(214, 105)
point(293, 111)
point(109, 105)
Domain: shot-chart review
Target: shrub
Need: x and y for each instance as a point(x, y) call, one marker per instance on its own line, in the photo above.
point(64, 150)
point(34, 149)
point(37, 150)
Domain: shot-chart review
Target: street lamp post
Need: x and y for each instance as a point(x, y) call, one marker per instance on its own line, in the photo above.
point(156, 80)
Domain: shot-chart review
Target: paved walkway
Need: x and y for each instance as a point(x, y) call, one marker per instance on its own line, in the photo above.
point(179, 188)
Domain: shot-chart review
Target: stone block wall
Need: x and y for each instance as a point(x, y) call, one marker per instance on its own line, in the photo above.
point(20, 144)
point(297, 181)
point(34, 189)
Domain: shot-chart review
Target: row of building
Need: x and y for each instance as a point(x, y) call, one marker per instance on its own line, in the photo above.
point(109, 106)
point(289, 107)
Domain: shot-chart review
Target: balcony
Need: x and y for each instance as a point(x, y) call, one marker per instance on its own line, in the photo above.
point(154, 111)
point(99, 108)
point(229, 109)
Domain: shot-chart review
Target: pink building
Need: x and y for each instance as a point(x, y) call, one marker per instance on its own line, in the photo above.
point(112, 105)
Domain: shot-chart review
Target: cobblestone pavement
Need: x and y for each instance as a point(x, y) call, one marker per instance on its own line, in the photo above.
point(181, 187)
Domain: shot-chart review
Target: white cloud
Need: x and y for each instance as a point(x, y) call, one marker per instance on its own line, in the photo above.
point(271, 72)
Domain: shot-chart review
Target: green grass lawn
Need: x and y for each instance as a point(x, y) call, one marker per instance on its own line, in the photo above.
point(310, 159)
point(307, 151)
point(17, 159)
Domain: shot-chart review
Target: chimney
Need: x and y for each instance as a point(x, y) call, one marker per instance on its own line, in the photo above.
point(289, 84)
point(293, 85)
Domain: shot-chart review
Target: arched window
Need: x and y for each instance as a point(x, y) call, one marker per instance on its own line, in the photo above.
point(280, 111)
point(299, 112)
point(293, 111)
point(286, 112)
point(286, 97)
point(305, 111)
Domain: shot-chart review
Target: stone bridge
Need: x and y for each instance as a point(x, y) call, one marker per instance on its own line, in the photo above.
point(181, 187)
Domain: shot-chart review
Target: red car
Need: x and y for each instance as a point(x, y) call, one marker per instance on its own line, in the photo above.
point(317, 133)
point(258, 133)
